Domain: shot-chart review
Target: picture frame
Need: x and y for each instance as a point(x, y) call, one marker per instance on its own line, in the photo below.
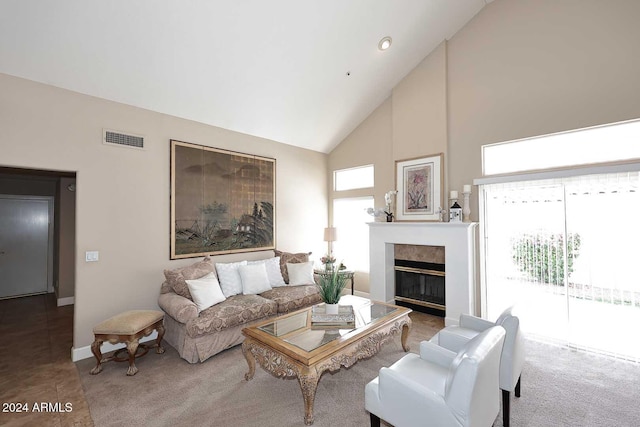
point(419, 184)
point(222, 201)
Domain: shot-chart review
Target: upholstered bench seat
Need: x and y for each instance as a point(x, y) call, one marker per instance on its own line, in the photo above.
point(127, 327)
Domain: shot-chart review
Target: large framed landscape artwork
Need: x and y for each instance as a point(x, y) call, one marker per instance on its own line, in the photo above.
point(221, 201)
point(419, 185)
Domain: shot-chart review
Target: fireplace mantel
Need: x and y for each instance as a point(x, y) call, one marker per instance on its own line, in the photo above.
point(459, 241)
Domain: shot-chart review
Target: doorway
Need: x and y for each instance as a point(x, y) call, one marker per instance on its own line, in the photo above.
point(26, 245)
point(37, 233)
point(560, 252)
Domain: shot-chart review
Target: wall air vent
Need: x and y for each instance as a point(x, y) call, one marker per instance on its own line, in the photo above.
point(111, 137)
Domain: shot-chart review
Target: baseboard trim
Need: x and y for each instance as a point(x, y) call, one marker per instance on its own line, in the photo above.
point(66, 301)
point(85, 352)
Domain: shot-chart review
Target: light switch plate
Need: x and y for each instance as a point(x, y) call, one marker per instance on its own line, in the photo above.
point(91, 256)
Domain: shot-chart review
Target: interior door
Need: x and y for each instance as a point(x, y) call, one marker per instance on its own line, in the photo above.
point(24, 245)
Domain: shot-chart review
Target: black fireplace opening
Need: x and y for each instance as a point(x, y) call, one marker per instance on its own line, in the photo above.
point(420, 286)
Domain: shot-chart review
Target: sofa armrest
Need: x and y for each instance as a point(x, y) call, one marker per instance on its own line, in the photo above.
point(178, 307)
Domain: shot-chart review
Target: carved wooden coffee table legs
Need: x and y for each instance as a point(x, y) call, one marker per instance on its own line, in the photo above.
point(251, 361)
point(283, 365)
point(405, 334)
point(308, 380)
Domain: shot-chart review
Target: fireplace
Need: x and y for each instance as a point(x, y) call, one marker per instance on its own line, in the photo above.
point(421, 283)
point(420, 277)
point(458, 241)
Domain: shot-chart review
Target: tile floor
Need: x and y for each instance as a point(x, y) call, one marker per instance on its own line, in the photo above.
point(35, 364)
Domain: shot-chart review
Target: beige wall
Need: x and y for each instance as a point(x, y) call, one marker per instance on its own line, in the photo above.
point(420, 109)
point(122, 194)
point(522, 68)
point(368, 144)
point(519, 68)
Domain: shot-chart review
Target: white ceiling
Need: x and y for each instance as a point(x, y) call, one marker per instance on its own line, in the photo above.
point(270, 68)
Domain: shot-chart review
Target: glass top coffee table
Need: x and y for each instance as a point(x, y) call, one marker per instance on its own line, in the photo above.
point(292, 346)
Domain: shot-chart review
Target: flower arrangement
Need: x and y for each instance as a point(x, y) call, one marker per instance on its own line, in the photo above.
point(327, 259)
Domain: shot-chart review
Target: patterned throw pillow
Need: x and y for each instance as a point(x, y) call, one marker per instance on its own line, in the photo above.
point(176, 278)
point(288, 257)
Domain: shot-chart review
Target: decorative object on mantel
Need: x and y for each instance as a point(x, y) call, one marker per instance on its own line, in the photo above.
point(388, 201)
point(419, 186)
point(330, 287)
point(442, 214)
point(466, 209)
point(376, 212)
point(455, 211)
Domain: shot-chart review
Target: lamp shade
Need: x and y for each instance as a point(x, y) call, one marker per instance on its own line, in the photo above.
point(330, 234)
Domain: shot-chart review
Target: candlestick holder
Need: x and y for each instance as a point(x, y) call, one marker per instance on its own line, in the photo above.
point(466, 209)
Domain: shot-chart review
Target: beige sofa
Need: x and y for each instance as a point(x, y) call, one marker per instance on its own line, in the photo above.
point(198, 336)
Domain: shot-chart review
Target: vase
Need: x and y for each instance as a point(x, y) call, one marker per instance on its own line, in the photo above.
point(328, 267)
point(332, 308)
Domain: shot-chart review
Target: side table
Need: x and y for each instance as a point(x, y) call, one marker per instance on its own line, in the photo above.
point(348, 273)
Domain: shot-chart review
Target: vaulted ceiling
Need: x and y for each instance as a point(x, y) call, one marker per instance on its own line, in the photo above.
point(300, 72)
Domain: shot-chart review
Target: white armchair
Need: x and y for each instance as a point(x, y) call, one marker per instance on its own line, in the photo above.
point(439, 386)
point(455, 337)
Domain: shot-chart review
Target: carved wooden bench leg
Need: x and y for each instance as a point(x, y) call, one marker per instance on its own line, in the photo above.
point(160, 329)
point(132, 348)
point(95, 349)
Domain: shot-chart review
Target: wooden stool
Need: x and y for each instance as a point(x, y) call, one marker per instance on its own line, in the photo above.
point(127, 327)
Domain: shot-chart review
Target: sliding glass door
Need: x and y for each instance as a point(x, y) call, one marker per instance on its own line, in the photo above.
point(564, 251)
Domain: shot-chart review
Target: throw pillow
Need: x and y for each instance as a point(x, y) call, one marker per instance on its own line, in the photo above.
point(205, 291)
point(176, 277)
point(288, 257)
point(300, 273)
point(273, 270)
point(229, 277)
point(254, 279)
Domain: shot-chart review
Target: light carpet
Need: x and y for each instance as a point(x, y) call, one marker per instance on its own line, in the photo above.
point(559, 388)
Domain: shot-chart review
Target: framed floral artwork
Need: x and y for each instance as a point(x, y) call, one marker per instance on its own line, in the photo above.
point(419, 185)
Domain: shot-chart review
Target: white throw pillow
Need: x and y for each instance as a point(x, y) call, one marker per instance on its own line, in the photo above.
point(205, 291)
point(229, 277)
point(300, 273)
point(273, 271)
point(254, 279)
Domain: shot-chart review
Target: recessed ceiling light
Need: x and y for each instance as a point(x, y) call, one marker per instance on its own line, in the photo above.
point(385, 43)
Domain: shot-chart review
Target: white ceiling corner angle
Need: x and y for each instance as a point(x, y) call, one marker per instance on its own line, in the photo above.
point(276, 70)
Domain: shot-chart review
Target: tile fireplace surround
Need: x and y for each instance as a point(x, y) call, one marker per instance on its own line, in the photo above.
point(459, 241)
